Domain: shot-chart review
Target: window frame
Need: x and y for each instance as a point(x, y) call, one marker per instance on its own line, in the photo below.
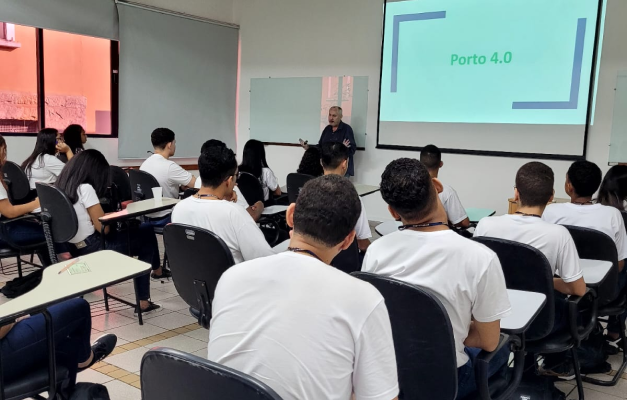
point(41, 105)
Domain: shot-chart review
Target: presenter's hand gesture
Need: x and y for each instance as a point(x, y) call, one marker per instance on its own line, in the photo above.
point(347, 143)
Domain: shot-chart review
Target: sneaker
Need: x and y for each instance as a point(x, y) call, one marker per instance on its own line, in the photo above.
point(165, 274)
point(564, 371)
point(609, 349)
point(102, 347)
point(151, 307)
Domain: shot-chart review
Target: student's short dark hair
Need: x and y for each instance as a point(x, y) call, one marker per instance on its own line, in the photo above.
point(160, 137)
point(211, 143)
point(407, 187)
point(431, 156)
point(327, 210)
point(534, 182)
point(585, 176)
point(333, 154)
point(216, 165)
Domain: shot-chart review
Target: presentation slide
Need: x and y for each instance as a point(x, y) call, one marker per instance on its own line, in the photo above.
point(494, 63)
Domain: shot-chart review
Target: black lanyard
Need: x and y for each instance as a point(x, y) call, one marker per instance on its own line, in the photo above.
point(528, 215)
point(200, 196)
point(297, 250)
point(429, 225)
point(582, 204)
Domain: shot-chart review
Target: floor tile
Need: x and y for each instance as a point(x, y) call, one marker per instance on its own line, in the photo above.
point(135, 331)
point(594, 395)
point(199, 334)
point(129, 361)
point(108, 321)
point(181, 343)
point(167, 287)
point(131, 313)
point(155, 295)
point(171, 321)
point(620, 390)
point(121, 391)
point(201, 353)
point(89, 375)
point(175, 303)
point(122, 289)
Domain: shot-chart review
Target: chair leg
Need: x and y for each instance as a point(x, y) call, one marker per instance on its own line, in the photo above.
point(577, 367)
point(19, 266)
point(623, 365)
point(106, 298)
point(165, 261)
point(32, 255)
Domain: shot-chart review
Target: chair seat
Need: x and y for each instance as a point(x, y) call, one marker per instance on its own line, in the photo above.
point(8, 252)
point(33, 384)
point(554, 343)
point(616, 307)
point(158, 230)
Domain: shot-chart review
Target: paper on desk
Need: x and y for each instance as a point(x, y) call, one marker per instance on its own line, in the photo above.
point(79, 268)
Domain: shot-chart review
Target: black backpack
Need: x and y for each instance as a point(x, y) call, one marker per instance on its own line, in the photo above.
point(90, 391)
point(25, 284)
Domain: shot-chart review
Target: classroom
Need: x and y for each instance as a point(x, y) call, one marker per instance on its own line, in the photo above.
point(292, 199)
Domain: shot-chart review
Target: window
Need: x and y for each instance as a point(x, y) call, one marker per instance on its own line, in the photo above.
point(76, 85)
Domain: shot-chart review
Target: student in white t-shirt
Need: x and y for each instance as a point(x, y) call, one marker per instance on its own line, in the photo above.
point(169, 174)
point(431, 157)
point(42, 165)
point(299, 325)
point(465, 276)
point(84, 181)
point(254, 163)
point(213, 207)
point(256, 209)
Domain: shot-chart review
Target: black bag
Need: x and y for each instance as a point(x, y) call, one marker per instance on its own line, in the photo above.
point(90, 391)
point(591, 356)
point(25, 284)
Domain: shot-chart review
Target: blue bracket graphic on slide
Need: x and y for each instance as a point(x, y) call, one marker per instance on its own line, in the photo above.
point(395, 38)
point(575, 81)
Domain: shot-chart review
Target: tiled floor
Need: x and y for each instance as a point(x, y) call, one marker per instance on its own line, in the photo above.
point(172, 326)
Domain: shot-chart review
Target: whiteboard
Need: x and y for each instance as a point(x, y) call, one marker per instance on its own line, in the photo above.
point(618, 142)
point(283, 110)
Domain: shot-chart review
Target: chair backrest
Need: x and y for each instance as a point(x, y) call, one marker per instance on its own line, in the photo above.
point(348, 260)
point(190, 192)
point(197, 259)
point(423, 339)
point(624, 214)
point(120, 178)
point(171, 374)
point(596, 245)
point(17, 181)
point(57, 208)
point(141, 184)
point(250, 187)
point(295, 183)
point(526, 268)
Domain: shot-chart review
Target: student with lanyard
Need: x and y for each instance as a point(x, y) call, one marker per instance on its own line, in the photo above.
point(299, 325)
point(582, 181)
point(465, 276)
point(214, 207)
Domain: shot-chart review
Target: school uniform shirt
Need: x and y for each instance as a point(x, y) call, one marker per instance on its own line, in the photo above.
point(241, 200)
point(87, 197)
point(464, 275)
point(305, 329)
point(3, 193)
point(602, 218)
point(362, 229)
point(45, 169)
point(269, 182)
point(452, 205)
point(170, 176)
point(554, 241)
point(229, 221)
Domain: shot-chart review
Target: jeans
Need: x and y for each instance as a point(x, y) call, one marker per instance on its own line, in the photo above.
point(25, 347)
point(25, 233)
point(143, 246)
point(466, 373)
point(159, 222)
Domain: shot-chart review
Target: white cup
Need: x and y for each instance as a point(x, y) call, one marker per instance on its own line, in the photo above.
point(157, 193)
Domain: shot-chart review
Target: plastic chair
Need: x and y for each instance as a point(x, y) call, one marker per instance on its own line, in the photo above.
point(121, 186)
point(171, 374)
point(198, 258)
point(252, 191)
point(348, 260)
point(58, 216)
point(18, 184)
point(34, 383)
point(425, 347)
point(295, 183)
point(141, 184)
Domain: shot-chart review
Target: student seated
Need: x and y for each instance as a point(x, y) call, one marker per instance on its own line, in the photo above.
point(42, 165)
point(302, 327)
point(465, 276)
point(74, 136)
point(169, 174)
point(256, 209)
point(534, 190)
point(310, 163)
point(613, 190)
point(254, 163)
point(84, 181)
point(213, 207)
point(431, 157)
point(25, 344)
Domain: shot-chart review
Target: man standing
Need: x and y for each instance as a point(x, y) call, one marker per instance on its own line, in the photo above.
point(338, 131)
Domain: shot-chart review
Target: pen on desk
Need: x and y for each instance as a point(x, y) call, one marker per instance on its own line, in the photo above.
point(68, 265)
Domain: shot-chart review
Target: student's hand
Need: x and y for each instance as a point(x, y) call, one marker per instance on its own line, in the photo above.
point(35, 203)
point(234, 197)
point(62, 147)
point(257, 206)
point(22, 318)
point(347, 143)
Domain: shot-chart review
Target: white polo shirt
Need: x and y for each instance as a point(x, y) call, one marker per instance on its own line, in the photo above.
point(362, 229)
point(241, 200)
point(269, 182)
point(87, 197)
point(305, 329)
point(170, 176)
point(554, 241)
point(452, 205)
point(602, 218)
point(45, 169)
point(229, 221)
point(464, 275)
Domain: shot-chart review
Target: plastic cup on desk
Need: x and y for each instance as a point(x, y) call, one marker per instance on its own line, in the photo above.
point(157, 193)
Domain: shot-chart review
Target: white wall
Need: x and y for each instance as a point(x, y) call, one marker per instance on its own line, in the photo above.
point(291, 38)
point(219, 10)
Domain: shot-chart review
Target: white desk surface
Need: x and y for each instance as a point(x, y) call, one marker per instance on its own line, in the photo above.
point(271, 210)
point(594, 271)
point(362, 190)
point(387, 227)
point(138, 208)
point(525, 308)
point(107, 267)
point(281, 247)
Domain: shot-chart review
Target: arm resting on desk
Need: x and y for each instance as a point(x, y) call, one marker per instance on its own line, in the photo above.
point(10, 211)
point(483, 335)
point(96, 212)
point(576, 288)
point(465, 223)
point(482, 362)
point(621, 264)
point(585, 306)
